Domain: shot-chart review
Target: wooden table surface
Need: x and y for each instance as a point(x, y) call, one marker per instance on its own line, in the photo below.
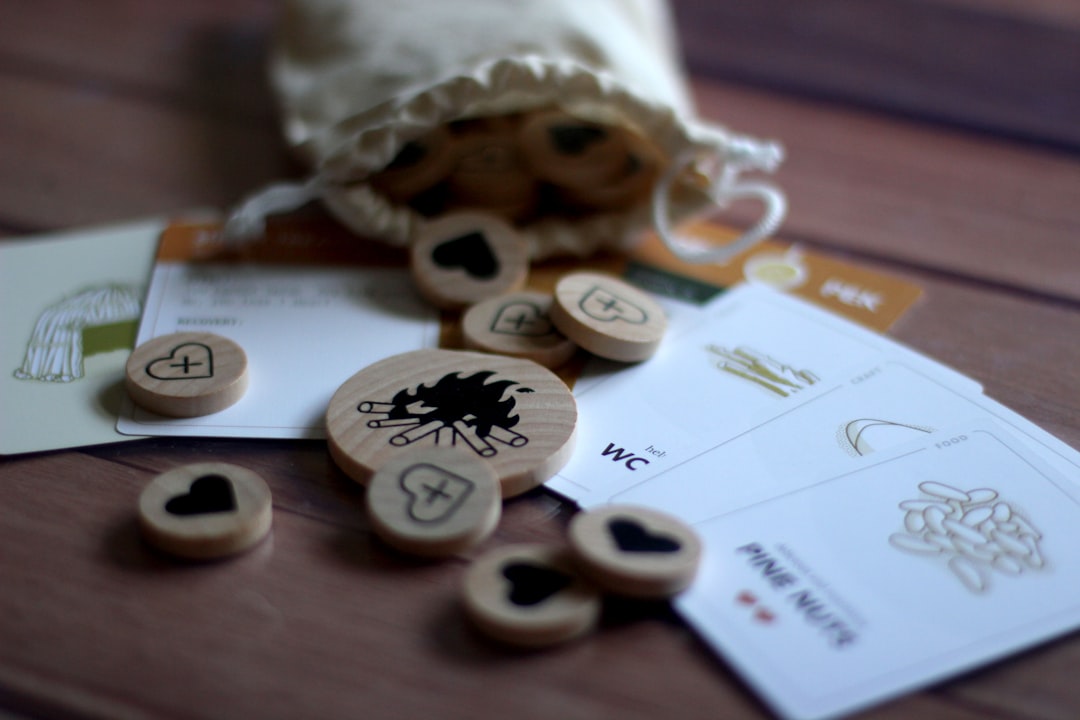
point(936, 141)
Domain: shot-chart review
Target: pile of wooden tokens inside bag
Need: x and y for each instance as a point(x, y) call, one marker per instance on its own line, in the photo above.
point(441, 438)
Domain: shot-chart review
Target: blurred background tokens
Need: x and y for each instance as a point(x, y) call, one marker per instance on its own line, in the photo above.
point(205, 510)
point(465, 257)
point(607, 316)
point(517, 324)
point(529, 596)
point(635, 551)
point(515, 414)
point(419, 166)
point(434, 501)
point(187, 374)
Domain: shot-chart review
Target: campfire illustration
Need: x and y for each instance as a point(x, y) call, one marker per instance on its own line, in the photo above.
point(455, 409)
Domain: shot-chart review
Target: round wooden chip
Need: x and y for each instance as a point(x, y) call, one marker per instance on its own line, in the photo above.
point(571, 152)
point(434, 501)
point(632, 183)
point(517, 324)
point(187, 374)
point(419, 165)
point(463, 258)
point(515, 414)
point(608, 317)
point(490, 176)
point(529, 596)
point(205, 510)
point(635, 551)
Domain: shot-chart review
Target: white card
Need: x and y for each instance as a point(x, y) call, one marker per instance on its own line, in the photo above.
point(754, 355)
point(305, 331)
point(941, 556)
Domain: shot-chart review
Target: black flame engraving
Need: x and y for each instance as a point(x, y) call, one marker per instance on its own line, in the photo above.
point(468, 410)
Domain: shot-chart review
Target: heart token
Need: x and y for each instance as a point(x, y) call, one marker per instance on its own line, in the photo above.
point(517, 416)
point(529, 596)
point(572, 152)
point(607, 316)
point(517, 324)
point(635, 551)
point(187, 374)
point(434, 501)
point(205, 510)
point(463, 258)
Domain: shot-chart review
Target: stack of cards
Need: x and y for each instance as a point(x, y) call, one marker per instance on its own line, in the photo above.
point(872, 521)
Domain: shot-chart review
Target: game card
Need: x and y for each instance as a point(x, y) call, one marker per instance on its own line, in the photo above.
point(941, 555)
point(754, 354)
point(309, 310)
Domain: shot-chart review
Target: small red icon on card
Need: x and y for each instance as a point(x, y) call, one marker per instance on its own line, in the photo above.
point(761, 613)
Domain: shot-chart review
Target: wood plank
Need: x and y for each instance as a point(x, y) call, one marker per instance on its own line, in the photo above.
point(996, 67)
point(875, 186)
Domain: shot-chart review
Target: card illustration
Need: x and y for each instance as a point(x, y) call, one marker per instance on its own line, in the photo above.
point(96, 320)
point(207, 494)
point(470, 252)
point(434, 493)
point(603, 305)
point(523, 319)
point(470, 410)
point(187, 361)
point(773, 375)
point(974, 532)
point(532, 584)
point(760, 612)
point(854, 437)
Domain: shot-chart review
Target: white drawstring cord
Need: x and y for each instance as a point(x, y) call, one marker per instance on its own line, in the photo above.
point(722, 171)
point(248, 219)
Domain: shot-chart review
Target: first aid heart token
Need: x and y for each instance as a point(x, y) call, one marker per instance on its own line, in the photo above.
point(187, 374)
point(607, 316)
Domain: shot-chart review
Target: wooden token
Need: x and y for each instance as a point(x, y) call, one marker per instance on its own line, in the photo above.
point(419, 165)
point(205, 510)
point(631, 184)
point(571, 152)
point(518, 416)
point(529, 596)
point(491, 176)
point(635, 551)
point(187, 374)
point(517, 324)
point(608, 317)
point(434, 501)
point(463, 258)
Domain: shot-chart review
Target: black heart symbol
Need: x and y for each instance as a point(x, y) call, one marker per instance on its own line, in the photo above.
point(208, 494)
point(533, 584)
point(574, 139)
point(470, 252)
point(630, 536)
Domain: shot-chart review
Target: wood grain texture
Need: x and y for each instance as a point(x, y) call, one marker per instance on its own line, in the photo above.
point(117, 109)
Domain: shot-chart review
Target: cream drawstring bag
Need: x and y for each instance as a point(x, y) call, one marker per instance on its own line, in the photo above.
point(359, 79)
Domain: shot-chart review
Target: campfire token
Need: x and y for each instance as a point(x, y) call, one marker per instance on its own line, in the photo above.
point(187, 374)
point(515, 414)
point(434, 501)
point(529, 596)
point(205, 510)
point(608, 317)
point(517, 324)
point(466, 257)
point(635, 551)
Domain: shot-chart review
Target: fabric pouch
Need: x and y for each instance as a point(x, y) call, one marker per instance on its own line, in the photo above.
point(359, 80)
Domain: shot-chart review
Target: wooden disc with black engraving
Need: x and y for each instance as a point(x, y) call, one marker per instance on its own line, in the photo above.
point(572, 152)
point(419, 165)
point(187, 374)
point(434, 501)
point(515, 414)
point(465, 257)
point(517, 324)
point(607, 316)
point(635, 551)
point(529, 596)
point(205, 510)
